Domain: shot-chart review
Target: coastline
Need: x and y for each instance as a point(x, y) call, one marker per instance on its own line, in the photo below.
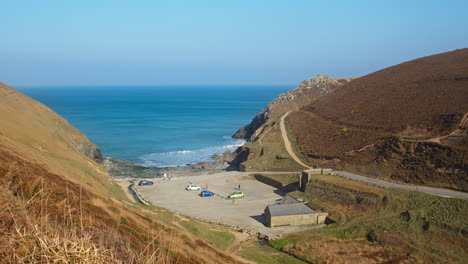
point(130, 170)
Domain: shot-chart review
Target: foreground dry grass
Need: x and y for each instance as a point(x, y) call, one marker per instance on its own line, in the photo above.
point(48, 219)
point(60, 206)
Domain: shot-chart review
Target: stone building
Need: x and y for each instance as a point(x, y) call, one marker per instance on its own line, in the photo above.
point(291, 212)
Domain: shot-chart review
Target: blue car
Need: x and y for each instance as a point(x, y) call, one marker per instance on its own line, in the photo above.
point(206, 193)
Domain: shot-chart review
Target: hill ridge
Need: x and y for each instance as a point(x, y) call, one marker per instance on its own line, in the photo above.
point(406, 122)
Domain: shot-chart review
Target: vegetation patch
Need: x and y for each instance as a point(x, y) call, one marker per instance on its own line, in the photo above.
point(269, 153)
point(385, 224)
point(218, 238)
point(278, 243)
point(266, 255)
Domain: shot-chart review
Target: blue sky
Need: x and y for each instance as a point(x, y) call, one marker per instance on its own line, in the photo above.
point(218, 42)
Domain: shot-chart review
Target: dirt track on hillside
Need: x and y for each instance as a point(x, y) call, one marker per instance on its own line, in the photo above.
point(287, 143)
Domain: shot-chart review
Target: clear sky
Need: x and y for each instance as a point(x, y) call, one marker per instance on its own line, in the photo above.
point(111, 42)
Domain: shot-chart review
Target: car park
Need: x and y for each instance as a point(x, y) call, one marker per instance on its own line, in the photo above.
point(206, 194)
point(236, 195)
point(145, 182)
point(192, 187)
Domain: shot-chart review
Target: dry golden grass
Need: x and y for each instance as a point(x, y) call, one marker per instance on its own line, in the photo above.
point(48, 219)
point(39, 135)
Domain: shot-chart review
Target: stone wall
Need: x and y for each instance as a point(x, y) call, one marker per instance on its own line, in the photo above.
point(306, 176)
point(298, 220)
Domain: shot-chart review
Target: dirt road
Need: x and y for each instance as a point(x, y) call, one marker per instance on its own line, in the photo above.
point(287, 143)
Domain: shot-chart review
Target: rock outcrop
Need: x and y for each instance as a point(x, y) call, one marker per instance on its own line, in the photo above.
point(308, 91)
point(91, 151)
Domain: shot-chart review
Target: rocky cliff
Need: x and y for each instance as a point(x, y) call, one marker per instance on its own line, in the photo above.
point(308, 91)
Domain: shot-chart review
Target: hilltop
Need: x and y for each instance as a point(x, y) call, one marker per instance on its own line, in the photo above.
point(407, 122)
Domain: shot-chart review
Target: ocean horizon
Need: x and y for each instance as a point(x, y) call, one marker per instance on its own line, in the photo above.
point(159, 126)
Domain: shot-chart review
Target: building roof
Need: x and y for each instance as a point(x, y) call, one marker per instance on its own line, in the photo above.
point(289, 209)
point(288, 200)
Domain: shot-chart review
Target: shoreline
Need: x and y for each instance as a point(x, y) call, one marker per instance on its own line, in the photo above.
point(129, 170)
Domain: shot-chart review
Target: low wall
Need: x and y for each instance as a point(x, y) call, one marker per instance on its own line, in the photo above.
point(268, 181)
point(137, 195)
point(298, 220)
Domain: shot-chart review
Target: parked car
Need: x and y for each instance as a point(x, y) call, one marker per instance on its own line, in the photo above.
point(192, 187)
point(145, 182)
point(236, 195)
point(206, 193)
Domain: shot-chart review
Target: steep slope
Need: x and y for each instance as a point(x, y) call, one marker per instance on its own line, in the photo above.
point(39, 134)
point(308, 91)
point(423, 98)
point(265, 149)
point(407, 122)
point(60, 205)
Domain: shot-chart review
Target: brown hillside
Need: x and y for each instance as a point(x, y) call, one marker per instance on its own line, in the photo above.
point(407, 122)
point(429, 93)
point(60, 206)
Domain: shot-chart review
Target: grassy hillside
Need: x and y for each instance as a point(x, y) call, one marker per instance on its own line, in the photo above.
point(60, 206)
point(407, 123)
point(40, 135)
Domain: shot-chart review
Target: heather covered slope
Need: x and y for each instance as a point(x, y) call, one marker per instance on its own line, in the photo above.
point(60, 206)
point(422, 98)
point(407, 122)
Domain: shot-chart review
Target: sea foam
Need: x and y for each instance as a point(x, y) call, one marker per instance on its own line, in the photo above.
point(184, 157)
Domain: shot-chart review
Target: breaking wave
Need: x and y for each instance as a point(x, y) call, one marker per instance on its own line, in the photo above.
point(185, 157)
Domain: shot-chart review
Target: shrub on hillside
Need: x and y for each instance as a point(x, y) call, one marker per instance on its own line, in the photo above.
point(279, 243)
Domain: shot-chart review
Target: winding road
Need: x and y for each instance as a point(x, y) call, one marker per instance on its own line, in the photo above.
point(425, 189)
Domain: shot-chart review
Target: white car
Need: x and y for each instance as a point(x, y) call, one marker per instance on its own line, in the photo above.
point(192, 187)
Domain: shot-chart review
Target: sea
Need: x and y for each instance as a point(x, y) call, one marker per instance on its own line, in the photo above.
point(159, 126)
